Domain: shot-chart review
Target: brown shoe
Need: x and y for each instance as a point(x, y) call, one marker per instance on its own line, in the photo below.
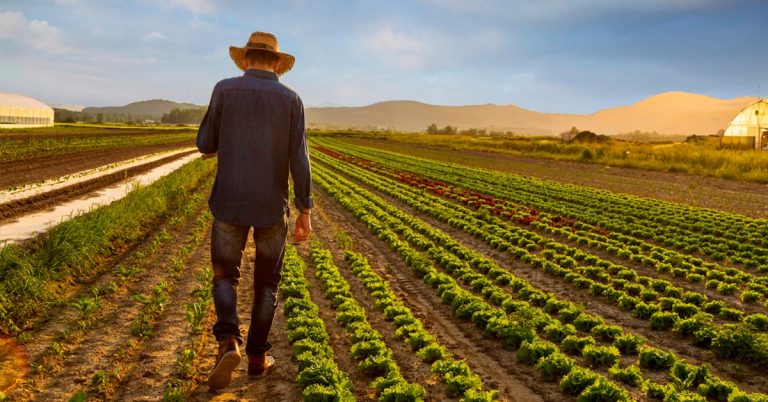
point(226, 363)
point(260, 365)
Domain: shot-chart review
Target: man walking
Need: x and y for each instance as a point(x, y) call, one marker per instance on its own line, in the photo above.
point(255, 125)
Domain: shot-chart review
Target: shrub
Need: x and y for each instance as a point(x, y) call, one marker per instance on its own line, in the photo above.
point(727, 288)
point(644, 311)
point(531, 352)
point(568, 314)
point(554, 365)
point(716, 389)
point(403, 391)
point(585, 322)
point(685, 310)
point(741, 396)
point(573, 344)
point(628, 344)
point(731, 314)
point(750, 296)
point(601, 355)
point(656, 359)
point(688, 376)
point(607, 333)
point(690, 325)
point(603, 390)
point(758, 322)
point(432, 352)
point(629, 375)
point(663, 320)
point(577, 380)
point(734, 341)
point(556, 331)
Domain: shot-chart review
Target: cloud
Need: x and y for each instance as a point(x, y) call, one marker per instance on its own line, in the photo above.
point(397, 47)
point(195, 6)
point(38, 34)
point(66, 2)
point(153, 36)
point(553, 10)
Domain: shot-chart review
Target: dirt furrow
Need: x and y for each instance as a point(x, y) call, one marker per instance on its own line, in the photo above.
point(16, 173)
point(107, 344)
point(155, 362)
point(280, 384)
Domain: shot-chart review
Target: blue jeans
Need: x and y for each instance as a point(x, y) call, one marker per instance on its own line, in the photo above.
point(227, 245)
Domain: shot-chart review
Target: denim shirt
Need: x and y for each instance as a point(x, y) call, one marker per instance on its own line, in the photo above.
point(256, 125)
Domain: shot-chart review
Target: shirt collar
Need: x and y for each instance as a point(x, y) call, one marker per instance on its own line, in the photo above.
point(252, 72)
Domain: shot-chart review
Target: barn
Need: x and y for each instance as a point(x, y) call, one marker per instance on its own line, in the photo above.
point(749, 129)
point(17, 111)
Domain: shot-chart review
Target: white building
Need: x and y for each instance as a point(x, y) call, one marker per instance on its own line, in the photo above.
point(750, 126)
point(18, 111)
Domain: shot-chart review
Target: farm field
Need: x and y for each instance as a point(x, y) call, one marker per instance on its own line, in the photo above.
point(739, 197)
point(29, 156)
point(424, 280)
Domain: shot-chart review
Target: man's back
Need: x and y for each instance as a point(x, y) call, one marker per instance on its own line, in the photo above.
point(256, 124)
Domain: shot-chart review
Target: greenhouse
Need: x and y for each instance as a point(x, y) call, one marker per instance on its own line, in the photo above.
point(749, 129)
point(18, 111)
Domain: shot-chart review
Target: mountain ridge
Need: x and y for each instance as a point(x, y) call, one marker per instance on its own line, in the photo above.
point(672, 112)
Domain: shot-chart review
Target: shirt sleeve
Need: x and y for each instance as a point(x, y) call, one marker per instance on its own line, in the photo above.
point(208, 133)
point(299, 158)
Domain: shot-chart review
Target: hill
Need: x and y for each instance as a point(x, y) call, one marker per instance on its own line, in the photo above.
point(151, 109)
point(667, 113)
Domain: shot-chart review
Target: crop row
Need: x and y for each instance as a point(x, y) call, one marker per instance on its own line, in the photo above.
point(374, 357)
point(496, 322)
point(725, 280)
point(319, 376)
point(26, 148)
point(460, 379)
point(714, 233)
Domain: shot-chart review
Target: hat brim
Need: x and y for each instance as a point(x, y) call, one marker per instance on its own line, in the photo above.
point(283, 66)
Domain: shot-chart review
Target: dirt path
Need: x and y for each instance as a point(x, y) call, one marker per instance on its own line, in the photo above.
point(497, 367)
point(734, 371)
point(280, 384)
point(744, 198)
point(16, 173)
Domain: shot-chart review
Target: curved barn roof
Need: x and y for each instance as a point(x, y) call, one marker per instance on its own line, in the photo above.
point(8, 100)
point(750, 121)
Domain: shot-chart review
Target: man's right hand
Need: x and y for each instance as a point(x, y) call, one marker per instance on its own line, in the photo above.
point(208, 156)
point(303, 226)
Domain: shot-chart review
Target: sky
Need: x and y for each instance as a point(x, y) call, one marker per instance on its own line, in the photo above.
point(566, 56)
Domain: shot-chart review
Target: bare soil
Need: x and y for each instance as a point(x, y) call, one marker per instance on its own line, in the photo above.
point(278, 385)
point(17, 173)
point(17, 208)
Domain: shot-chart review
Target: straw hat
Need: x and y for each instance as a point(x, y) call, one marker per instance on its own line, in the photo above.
point(264, 41)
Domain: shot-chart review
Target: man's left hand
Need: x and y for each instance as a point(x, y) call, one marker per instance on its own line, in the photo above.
point(303, 226)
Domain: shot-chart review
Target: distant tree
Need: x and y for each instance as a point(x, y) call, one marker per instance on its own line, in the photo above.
point(100, 118)
point(432, 129)
point(184, 116)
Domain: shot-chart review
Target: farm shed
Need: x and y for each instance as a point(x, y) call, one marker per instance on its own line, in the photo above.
point(749, 127)
point(18, 111)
